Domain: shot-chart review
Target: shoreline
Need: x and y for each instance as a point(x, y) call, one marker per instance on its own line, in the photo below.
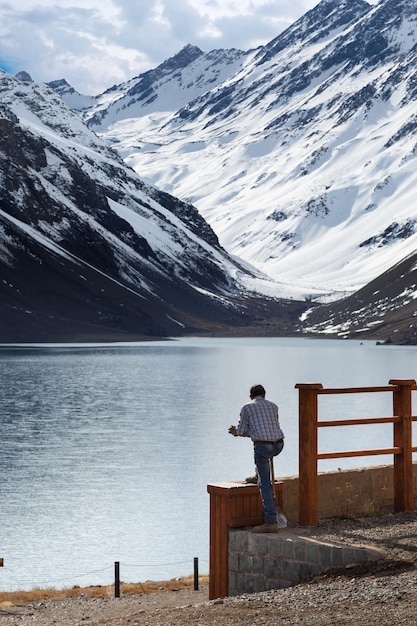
point(38, 594)
point(381, 592)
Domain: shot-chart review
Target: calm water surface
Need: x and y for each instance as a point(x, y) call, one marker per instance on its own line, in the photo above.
point(107, 451)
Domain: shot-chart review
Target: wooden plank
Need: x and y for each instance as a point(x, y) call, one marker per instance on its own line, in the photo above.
point(245, 507)
point(359, 421)
point(352, 453)
point(343, 390)
point(218, 547)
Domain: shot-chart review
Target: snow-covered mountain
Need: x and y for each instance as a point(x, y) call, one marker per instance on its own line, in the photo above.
point(300, 159)
point(88, 250)
point(300, 154)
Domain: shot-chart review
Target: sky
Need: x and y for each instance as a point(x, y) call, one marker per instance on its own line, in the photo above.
point(95, 44)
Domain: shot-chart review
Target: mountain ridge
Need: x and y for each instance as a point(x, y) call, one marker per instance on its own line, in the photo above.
point(293, 161)
point(87, 249)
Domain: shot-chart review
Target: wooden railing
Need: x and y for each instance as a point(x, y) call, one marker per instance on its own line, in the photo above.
point(309, 455)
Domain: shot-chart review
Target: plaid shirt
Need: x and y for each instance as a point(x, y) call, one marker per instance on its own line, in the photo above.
point(259, 420)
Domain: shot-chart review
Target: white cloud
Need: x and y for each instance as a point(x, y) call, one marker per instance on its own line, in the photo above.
point(97, 43)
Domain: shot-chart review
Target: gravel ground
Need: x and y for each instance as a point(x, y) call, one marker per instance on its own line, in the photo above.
point(382, 593)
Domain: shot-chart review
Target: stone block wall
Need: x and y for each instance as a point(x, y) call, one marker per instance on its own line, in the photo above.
point(258, 562)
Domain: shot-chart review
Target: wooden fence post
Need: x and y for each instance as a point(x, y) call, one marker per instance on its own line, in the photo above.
point(403, 463)
point(308, 480)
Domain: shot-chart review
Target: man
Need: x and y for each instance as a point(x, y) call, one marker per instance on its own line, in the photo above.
point(259, 420)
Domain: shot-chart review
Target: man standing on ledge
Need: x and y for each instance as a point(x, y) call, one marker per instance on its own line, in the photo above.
point(259, 421)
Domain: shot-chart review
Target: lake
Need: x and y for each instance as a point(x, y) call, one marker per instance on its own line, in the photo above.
point(107, 450)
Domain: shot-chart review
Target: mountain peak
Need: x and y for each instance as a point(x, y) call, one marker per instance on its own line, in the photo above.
point(184, 57)
point(24, 77)
point(181, 59)
point(60, 85)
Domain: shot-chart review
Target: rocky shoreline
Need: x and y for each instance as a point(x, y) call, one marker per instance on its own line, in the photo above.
point(380, 593)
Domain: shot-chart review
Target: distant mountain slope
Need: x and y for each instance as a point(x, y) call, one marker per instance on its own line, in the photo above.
point(384, 309)
point(87, 250)
point(303, 159)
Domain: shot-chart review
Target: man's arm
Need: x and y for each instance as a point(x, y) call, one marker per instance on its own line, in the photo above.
point(233, 431)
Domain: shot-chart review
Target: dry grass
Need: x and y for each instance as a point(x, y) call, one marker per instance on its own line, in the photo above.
point(13, 598)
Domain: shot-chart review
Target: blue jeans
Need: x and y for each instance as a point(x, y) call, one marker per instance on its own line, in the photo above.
point(264, 451)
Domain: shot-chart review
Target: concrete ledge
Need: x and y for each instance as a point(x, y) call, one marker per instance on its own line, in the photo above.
point(346, 493)
point(260, 562)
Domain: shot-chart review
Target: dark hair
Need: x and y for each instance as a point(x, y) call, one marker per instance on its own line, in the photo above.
point(257, 390)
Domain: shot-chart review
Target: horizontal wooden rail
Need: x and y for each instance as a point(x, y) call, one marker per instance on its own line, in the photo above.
point(363, 420)
point(338, 391)
point(350, 453)
point(358, 421)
